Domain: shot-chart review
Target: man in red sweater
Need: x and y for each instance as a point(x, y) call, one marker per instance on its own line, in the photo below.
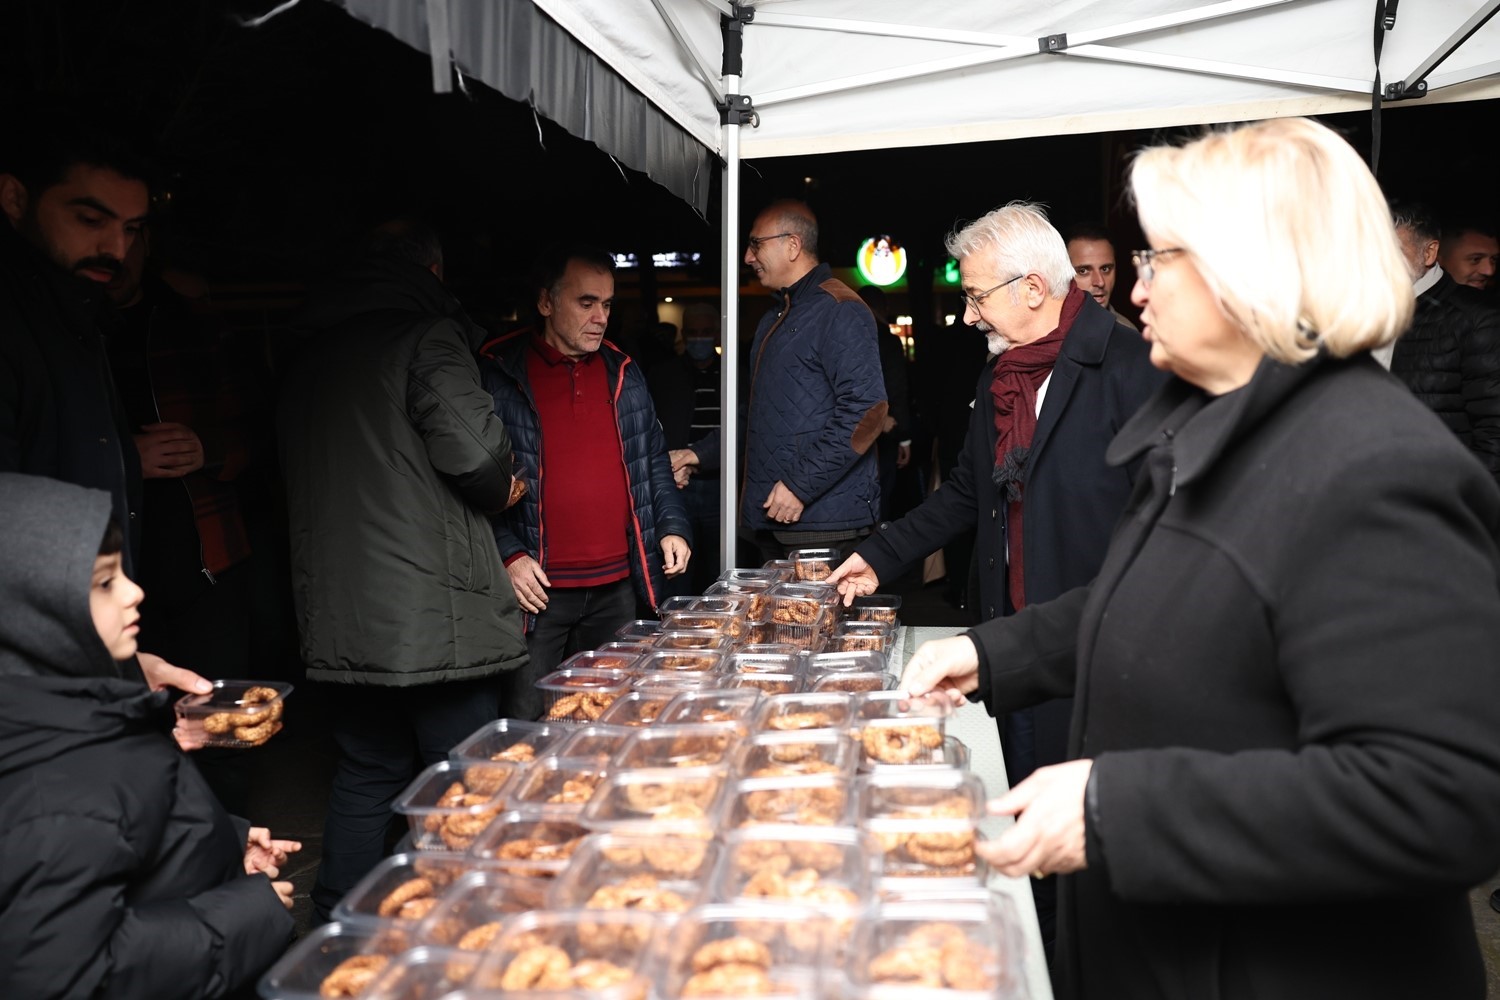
point(602, 523)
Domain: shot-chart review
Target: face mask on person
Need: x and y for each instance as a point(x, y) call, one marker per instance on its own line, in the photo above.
point(699, 350)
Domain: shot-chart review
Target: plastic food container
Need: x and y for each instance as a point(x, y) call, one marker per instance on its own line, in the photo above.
point(509, 741)
point(925, 821)
point(800, 800)
point(803, 711)
point(848, 635)
point(832, 870)
point(773, 648)
point(952, 948)
point(527, 844)
point(693, 640)
point(601, 659)
point(638, 707)
point(580, 695)
point(768, 574)
point(403, 889)
point(693, 661)
point(875, 608)
point(799, 613)
point(753, 591)
point(814, 565)
point(672, 681)
point(852, 682)
point(770, 684)
point(712, 705)
point(810, 751)
point(596, 742)
point(450, 803)
point(631, 647)
point(469, 915)
point(701, 745)
point(744, 949)
point(335, 955)
point(724, 614)
point(581, 953)
point(783, 568)
point(743, 662)
point(236, 713)
point(952, 754)
point(666, 875)
point(896, 728)
point(555, 786)
point(423, 973)
point(677, 802)
point(642, 629)
point(820, 665)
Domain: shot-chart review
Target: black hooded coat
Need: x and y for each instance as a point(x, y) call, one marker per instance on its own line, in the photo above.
point(120, 874)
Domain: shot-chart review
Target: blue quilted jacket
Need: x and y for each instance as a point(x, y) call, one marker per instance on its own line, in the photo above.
point(815, 406)
point(656, 508)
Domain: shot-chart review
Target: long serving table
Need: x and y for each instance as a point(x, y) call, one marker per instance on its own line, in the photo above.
point(973, 725)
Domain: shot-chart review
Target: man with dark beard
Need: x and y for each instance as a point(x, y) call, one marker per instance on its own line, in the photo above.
point(75, 202)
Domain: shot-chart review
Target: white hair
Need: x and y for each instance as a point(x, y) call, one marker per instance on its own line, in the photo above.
point(1022, 241)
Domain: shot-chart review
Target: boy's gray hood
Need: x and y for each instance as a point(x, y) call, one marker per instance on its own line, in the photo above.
point(49, 537)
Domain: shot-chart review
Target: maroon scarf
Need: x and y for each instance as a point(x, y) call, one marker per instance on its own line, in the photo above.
point(1019, 373)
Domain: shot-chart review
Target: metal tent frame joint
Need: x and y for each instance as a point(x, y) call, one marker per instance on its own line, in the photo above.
point(1400, 91)
point(1053, 43)
point(738, 109)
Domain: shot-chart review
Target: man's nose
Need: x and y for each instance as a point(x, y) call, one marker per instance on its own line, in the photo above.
point(115, 242)
point(749, 257)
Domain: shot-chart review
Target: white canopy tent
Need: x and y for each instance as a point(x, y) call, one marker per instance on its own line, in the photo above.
point(656, 83)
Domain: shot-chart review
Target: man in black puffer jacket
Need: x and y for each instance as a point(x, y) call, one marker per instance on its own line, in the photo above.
point(601, 525)
point(1450, 358)
point(393, 456)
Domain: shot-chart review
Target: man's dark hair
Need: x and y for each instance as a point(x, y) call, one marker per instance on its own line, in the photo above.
point(410, 240)
point(1418, 218)
point(113, 542)
point(47, 146)
point(553, 264)
point(1088, 231)
point(1459, 225)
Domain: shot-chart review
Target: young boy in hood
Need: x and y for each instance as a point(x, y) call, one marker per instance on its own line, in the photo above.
point(120, 874)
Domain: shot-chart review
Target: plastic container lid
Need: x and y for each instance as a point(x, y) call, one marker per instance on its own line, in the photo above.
point(801, 800)
point(601, 659)
point(804, 711)
point(785, 754)
point(401, 889)
point(712, 705)
point(700, 640)
point(701, 745)
point(639, 707)
point(745, 949)
point(469, 914)
point(355, 954)
point(555, 786)
point(604, 951)
point(451, 802)
point(523, 843)
point(236, 713)
point(655, 874)
point(509, 741)
point(979, 944)
point(679, 801)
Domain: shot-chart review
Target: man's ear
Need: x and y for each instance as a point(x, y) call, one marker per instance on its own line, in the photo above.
point(13, 197)
point(1429, 253)
point(544, 302)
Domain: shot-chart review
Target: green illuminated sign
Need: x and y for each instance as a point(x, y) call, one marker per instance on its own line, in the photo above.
point(880, 261)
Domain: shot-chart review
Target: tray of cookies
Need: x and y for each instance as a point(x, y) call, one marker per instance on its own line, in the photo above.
point(509, 741)
point(235, 713)
point(925, 821)
point(555, 786)
point(665, 875)
point(470, 912)
point(894, 727)
point(573, 954)
point(784, 754)
point(527, 844)
point(450, 803)
point(402, 889)
point(713, 705)
point(335, 960)
point(577, 695)
point(744, 949)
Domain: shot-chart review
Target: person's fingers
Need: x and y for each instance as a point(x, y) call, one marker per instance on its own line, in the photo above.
point(541, 578)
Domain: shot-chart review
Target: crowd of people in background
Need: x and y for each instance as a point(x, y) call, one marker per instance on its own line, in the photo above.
point(453, 510)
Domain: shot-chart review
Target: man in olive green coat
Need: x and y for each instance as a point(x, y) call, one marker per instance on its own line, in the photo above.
point(393, 456)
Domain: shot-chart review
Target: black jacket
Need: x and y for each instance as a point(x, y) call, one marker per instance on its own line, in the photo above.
point(59, 416)
point(1072, 496)
point(1450, 359)
point(120, 874)
point(393, 456)
point(1285, 676)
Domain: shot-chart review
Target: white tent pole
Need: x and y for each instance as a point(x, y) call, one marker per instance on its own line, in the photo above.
point(735, 109)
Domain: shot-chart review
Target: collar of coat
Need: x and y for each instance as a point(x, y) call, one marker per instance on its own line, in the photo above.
point(1199, 427)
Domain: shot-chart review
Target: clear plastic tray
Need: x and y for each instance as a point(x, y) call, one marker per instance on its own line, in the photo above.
point(752, 591)
point(803, 711)
point(469, 915)
point(580, 695)
point(595, 742)
point(926, 822)
point(712, 705)
point(423, 973)
point(731, 626)
point(781, 567)
point(741, 662)
point(849, 636)
point(593, 953)
point(814, 565)
point(947, 949)
point(896, 728)
point(832, 869)
point(701, 745)
point(401, 889)
point(744, 949)
point(602, 659)
point(673, 681)
point(354, 955)
point(769, 684)
point(875, 608)
point(678, 802)
point(847, 662)
point(680, 640)
point(450, 803)
point(952, 754)
point(852, 682)
point(767, 574)
point(637, 708)
point(527, 844)
point(810, 751)
point(773, 648)
point(692, 661)
point(642, 629)
point(236, 713)
point(652, 874)
point(807, 800)
point(509, 741)
point(555, 786)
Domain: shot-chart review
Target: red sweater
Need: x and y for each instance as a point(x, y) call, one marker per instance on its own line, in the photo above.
point(585, 499)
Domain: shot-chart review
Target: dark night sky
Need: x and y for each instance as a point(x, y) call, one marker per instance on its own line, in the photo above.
point(285, 138)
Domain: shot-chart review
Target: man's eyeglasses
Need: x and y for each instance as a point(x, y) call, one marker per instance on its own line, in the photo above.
point(977, 299)
point(756, 241)
point(1145, 261)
